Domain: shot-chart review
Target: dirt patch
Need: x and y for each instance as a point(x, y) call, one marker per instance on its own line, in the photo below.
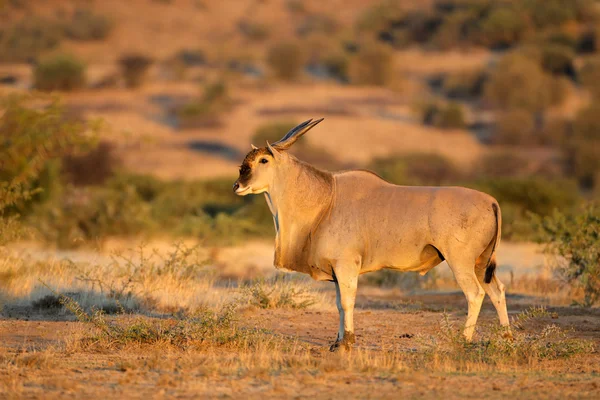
point(40, 364)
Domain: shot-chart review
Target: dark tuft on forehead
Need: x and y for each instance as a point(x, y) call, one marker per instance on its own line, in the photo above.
point(254, 154)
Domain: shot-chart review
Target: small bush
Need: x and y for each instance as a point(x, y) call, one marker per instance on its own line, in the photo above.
point(525, 346)
point(445, 116)
point(135, 68)
point(254, 31)
point(295, 6)
point(286, 60)
point(379, 16)
point(83, 216)
point(417, 169)
point(519, 82)
point(317, 24)
point(34, 133)
point(515, 127)
point(278, 292)
point(503, 27)
point(205, 112)
point(205, 327)
point(583, 147)
point(85, 25)
point(590, 76)
point(191, 57)
point(451, 117)
point(28, 39)
point(518, 196)
point(552, 13)
point(575, 240)
point(505, 164)
point(337, 65)
point(464, 84)
point(61, 72)
point(372, 65)
point(558, 60)
point(93, 167)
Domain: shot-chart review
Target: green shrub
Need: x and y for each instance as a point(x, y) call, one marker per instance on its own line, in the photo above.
point(86, 25)
point(254, 31)
point(337, 65)
point(552, 13)
point(34, 133)
point(561, 38)
point(518, 196)
point(583, 147)
point(445, 116)
point(86, 216)
point(286, 60)
point(417, 169)
point(505, 164)
point(454, 30)
point(502, 27)
point(94, 167)
point(451, 116)
point(558, 59)
point(134, 68)
point(28, 39)
point(372, 65)
point(467, 84)
point(515, 127)
point(519, 82)
point(532, 342)
point(205, 112)
point(379, 16)
point(590, 76)
point(575, 240)
point(278, 292)
point(61, 72)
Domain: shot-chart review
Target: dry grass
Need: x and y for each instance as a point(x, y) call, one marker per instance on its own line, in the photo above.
point(213, 336)
point(163, 279)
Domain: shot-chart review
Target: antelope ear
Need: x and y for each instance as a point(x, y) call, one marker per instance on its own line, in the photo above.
point(254, 147)
point(274, 152)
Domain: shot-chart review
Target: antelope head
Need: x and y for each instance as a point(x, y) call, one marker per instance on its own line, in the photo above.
point(259, 165)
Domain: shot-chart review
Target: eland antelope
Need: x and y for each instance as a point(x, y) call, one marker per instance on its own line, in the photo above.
point(337, 226)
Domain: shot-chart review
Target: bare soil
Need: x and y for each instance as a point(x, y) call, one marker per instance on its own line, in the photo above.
point(385, 322)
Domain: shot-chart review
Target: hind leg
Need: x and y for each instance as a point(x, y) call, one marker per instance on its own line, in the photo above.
point(464, 272)
point(496, 290)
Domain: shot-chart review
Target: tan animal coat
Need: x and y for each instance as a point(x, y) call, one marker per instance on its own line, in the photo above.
point(336, 226)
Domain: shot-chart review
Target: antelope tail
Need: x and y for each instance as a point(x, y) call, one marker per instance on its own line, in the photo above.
point(490, 269)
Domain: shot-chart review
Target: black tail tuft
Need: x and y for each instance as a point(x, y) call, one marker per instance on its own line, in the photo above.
point(489, 271)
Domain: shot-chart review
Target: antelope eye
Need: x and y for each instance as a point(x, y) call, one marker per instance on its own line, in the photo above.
point(264, 161)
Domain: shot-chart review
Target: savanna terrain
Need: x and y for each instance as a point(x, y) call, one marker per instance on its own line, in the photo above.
point(129, 269)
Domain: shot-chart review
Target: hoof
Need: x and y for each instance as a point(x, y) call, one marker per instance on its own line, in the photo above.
point(344, 344)
point(340, 346)
point(508, 335)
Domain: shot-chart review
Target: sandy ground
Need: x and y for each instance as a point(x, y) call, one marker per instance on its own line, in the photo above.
point(384, 324)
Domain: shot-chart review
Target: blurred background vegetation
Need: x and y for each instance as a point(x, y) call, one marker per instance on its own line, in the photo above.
point(129, 119)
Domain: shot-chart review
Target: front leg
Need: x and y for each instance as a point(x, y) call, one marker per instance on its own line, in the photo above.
point(345, 287)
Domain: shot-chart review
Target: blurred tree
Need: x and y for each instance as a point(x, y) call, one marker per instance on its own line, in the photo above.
point(575, 240)
point(59, 72)
point(519, 82)
point(583, 149)
point(34, 133)
point(286, 60)
point(373, 65)
point(515, 127)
